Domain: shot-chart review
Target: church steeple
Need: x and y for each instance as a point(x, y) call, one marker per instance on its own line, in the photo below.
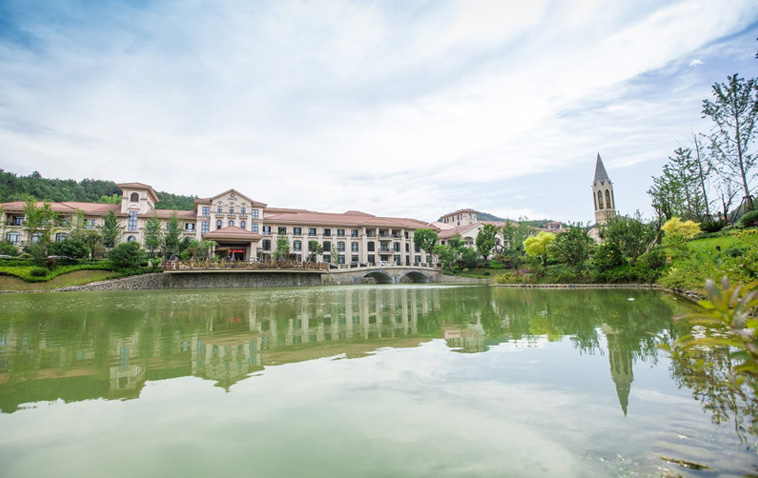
point(602, 192)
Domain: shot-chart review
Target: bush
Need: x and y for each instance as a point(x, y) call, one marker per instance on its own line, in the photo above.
point(38, 272)
point(8, 249)
point(655, 259)
point(749, 219)
point(713, 225)
point(128, 255)
point(68, 247)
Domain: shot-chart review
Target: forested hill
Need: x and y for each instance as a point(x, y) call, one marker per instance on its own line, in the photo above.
point(21, 188)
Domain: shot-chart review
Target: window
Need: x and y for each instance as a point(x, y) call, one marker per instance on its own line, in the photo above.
point(341, 259)
point(327, 258)
point(134, 197)
point(243, 210)
point(354, 246)
point(218, 224)
point(369, 233)
point(396, 247)
point(243, 224)
point(231, 209)
point(371, 258)
point(266, 230)
point(255, 214)
point(205, 227)
point(89, 224)
point(231, 223)
point(341, 246)
point(189, 227)
point(600, 199)
point(298, 231)
point(255, 228)
point(327, 246)
point(13, 238)
point(608, 200)
point(297, 246)
point(327, 231)
point(132, 224)
point(354, 258)
point(266, 244)
point(219, 209)
point(397, 259)
point(131, 239)
point(60, 236)
point(311, 231)
point(18, 221)
point(282, 231)
point(206, 211)
point(354, 233)
point(341, 232)
point(370, 246)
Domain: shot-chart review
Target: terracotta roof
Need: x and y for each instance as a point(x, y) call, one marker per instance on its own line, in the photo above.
point(140, 186)
point(459, 211)
point(349, 219)
point(232, 232)
point(166, 213)
point(89, 208)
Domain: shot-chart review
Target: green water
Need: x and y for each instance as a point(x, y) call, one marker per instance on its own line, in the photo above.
point(380, 381)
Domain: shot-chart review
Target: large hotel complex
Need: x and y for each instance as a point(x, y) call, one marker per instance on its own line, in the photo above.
point(249, 228)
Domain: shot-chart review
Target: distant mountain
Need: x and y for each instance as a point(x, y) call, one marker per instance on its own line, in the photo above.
point(21, 188)
point(538, 223)
point(485, 216)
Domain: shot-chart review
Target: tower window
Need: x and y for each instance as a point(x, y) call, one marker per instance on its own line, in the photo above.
point(608, 200)
point(600, 199)
point(134, 197)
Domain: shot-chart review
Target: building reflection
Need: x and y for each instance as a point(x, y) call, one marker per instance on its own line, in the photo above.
point(240, 336)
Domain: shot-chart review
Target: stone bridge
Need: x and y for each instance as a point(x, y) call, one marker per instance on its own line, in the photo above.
point(382, 275)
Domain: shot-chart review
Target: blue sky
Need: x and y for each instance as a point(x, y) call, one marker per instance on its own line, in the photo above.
point(402, 108)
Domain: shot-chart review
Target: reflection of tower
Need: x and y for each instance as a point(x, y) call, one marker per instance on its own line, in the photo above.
point(602, 190)
point(620, 357)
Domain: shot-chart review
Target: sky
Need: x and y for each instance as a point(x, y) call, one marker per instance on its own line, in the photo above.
point(396, 108)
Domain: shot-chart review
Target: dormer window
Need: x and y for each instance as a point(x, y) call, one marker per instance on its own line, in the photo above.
point(134, 197)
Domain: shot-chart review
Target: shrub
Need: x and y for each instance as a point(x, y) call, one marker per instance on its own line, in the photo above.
point(654, 259)
point(128, 255)
point(713, 225)
point(38, 272)
point(8, 249)
point(68, 247)
point(749, 219)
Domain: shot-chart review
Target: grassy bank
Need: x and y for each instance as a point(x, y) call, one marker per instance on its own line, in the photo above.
point(78, 277)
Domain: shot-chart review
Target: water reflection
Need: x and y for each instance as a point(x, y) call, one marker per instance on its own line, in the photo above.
point(78, 347)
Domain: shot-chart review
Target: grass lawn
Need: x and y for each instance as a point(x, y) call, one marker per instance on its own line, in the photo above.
point(710, 243)
point(64, 280)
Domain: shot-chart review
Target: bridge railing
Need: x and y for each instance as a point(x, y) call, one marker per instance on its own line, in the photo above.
point(242, 265)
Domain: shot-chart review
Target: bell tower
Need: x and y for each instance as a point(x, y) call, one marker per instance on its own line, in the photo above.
point(602, 192)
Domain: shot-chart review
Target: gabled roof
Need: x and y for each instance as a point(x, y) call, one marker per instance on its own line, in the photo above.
point(232, 233)
point(600, 174)
point(448, 233)
point(348, 219)
point(68, 207)
point(240, 195)
point(149, 188)
point(460, 211)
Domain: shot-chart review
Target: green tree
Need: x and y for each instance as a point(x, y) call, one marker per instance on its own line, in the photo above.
point(425, 239)
point(631, 235)
point(514, 234)
point(678, 191)
point(677, 233)
point(486, 240)
point(40, 222)
point(537, 246)
point(282, 251)
point(171, 240)
point(111, 230)
point(734, 111)
point(8, 249)
point(573, 247)
point(153, 235)
point(128, 255)
point(69, 247)
point(314, 249)
point(447, 255)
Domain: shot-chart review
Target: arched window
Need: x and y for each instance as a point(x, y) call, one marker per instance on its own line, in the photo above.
point(608, 200)
point(594, 199)
point(231, 223)
point(134, 197)
point(600, 199)
point(243, 224)
point(218, 224)
point(131, 239)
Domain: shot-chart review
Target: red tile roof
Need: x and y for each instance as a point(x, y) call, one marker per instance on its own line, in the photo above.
point(232, 233)
point(140, 186)
point(89, 208)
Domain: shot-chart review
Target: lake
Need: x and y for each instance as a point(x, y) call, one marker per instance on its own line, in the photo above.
point(354, 381)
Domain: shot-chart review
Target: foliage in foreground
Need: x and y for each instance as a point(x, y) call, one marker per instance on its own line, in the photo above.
point(718, 361)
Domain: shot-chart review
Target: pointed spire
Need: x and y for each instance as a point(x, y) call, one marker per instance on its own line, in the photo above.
point(600, 174)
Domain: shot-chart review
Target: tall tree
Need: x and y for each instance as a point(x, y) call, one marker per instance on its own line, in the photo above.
point(282, 251)
point(40, 221)
point(111, 230)
point(631, 235)
point(172, 237)
point(486, 240)
point(153, 235)
point(572, 247)
point(425, 239)
point(734, 111)
point(537, 246)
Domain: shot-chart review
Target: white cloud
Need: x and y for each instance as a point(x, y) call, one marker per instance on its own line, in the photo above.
point(344, 105)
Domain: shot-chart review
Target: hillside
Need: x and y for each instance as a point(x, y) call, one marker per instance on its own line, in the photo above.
point(20, 188)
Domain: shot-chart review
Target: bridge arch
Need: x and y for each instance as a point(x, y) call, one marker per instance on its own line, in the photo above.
point(380, 277)
point(416, 277)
